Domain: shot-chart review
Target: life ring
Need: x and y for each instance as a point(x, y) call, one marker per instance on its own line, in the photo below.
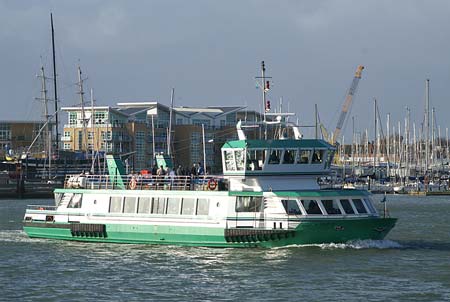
point(212, 184)
point(133, 183)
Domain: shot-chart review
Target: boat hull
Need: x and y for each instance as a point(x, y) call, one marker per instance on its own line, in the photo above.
point(309, 231)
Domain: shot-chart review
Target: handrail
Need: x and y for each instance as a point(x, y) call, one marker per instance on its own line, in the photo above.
point(147, 182)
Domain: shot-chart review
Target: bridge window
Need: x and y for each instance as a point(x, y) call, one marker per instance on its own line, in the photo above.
point(144, 205)
point(239, 155)
point(330, 157)
point(188, 206)
point(291, 207)
point(317, 157)
point(229, 160)
point(311, 206)
point(331, 206)
point(255, 160)
point(274, 157)
point(347, 206)
point(304, 156)
point(289, 156)
point(115, 204)
point(202, 206)
point(249, 204)
point(359, 206)
point(129, 205)
point(369, 205)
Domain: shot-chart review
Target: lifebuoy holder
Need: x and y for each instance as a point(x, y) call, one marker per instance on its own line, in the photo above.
point(212, 184)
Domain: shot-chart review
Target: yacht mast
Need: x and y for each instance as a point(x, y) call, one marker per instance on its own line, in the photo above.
point(427, 122)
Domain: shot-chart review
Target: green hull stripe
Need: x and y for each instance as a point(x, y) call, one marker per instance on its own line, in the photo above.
point(307, 232)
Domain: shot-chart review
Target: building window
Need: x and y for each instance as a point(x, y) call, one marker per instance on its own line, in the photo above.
point(199, 122)
point(72, 118)
point(67, 146)
point(5, 132)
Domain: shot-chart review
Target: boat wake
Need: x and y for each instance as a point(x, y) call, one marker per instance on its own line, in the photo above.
point(16, 236)
point(356, 245)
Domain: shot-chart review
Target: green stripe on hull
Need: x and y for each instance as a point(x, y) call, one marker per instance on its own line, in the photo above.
point(308, 232)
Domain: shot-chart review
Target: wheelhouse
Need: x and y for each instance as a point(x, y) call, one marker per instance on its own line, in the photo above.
point(259, 157)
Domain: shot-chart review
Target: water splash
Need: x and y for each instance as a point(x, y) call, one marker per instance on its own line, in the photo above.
point(16, 236)
point(356, 245)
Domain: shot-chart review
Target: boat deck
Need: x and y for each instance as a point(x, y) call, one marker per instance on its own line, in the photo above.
point(147, 182)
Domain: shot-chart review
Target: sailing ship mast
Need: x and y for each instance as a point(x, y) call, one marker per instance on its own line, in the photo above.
point(55, 87)
point(48, 134)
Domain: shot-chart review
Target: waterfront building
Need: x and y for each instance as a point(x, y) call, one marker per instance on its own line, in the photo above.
point(17, 136)
point(139, 130)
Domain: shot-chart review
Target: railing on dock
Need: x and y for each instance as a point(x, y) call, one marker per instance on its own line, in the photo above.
point(146, 182)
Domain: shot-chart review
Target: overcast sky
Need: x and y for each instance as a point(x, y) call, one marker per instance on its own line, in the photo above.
point(210, 52)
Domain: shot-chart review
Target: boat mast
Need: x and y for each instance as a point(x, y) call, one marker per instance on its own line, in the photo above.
point(427, 123)
point(47, 136)
point(55, 87)
point(170, 122)
point(93, 129)
point(388, 151)
point(375, 145)
point(83, 118)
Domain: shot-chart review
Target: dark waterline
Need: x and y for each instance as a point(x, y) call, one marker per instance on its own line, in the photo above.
point(412, 264)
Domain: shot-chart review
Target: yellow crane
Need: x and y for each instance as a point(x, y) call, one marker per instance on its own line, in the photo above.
point(345, 108)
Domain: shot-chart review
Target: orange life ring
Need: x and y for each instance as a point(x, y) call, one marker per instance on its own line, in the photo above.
point(212, 184)
point(133, 183)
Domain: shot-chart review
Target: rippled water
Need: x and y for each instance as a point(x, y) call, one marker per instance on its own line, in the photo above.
point(412, 264)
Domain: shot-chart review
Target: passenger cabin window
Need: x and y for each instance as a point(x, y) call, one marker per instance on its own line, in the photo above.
point(304, 156)
point(229, 160)
point(173, 205)
point(129, 204)
point(159, 205)
point(144, 205)
point(58, 198)
point(291, 207)
point(240, 163)
point(115, 204)
point(289, 156)
point(317, 157)
point(370, 206)
point(249, 204)
point(274, 157)
point(346, 205)
point(331, 206)
point(188, 206)
point(311, 206)
point(75, 202)
point(202, 206)
point(359, 206)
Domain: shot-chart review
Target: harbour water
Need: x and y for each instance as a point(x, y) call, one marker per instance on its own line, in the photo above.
point(412, 264)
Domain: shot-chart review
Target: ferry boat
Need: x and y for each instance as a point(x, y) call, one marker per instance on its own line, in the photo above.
point(268, 196)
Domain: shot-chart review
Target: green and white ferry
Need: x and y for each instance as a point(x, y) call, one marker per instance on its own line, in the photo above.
point(268, 196)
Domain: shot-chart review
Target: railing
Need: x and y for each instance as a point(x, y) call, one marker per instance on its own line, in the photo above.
point(146, 182)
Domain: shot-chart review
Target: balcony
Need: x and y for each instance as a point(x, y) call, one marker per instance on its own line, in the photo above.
point(66, 138)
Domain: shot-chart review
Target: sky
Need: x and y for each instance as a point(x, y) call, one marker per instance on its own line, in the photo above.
point(211, 51)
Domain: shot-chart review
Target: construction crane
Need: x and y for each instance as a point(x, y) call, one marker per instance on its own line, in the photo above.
point(347, 104)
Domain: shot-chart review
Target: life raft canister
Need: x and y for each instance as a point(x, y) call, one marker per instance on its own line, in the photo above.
point(212, 184)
